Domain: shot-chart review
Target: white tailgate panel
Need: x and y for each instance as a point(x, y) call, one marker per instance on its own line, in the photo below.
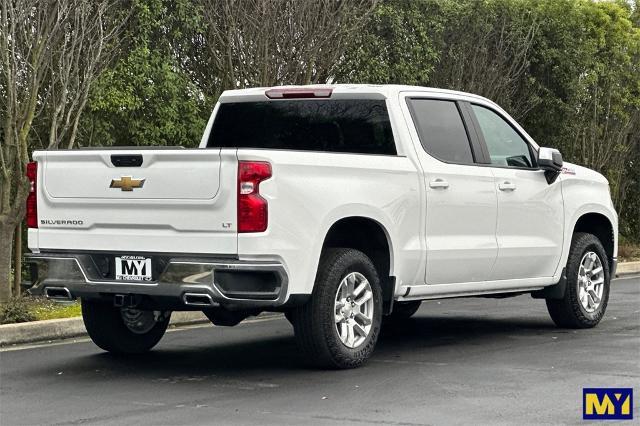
point(168, 174)
point(181, 208)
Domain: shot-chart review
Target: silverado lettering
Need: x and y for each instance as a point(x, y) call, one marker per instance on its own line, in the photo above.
point(60, 222)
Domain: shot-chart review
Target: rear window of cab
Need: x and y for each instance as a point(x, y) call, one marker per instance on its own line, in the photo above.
point(338, 125)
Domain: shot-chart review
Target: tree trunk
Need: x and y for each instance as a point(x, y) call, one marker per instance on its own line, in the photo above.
point(6, 245)
point(17, 260)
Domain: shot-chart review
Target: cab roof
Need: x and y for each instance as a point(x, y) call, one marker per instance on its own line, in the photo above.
point(376, 91)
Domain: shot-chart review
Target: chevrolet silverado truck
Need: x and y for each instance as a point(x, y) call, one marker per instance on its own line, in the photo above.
point(337, 205)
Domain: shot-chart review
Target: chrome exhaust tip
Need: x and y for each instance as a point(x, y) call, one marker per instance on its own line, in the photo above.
point(198, 299)
point(58, 293)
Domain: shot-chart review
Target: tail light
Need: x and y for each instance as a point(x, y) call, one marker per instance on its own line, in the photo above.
point(32, 200)
point(252, 208)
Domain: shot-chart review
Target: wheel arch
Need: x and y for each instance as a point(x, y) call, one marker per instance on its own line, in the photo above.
point(373, 239)
point(602, 227)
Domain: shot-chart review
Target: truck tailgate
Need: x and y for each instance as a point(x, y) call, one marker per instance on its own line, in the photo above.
point(156, 200)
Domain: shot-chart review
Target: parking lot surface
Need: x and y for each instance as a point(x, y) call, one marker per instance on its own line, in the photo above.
point(475, 360)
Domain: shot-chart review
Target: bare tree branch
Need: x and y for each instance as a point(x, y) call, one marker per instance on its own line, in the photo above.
point(51, 52)
point(271, 42)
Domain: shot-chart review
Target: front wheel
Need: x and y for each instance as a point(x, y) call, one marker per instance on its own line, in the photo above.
point(587, 287)
point(339, 326)
point(123, 330)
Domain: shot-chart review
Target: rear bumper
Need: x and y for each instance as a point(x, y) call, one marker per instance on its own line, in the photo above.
point(189, 282)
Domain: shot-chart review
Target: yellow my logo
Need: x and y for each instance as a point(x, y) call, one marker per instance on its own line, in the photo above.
point(607, 403)
point(606, 406)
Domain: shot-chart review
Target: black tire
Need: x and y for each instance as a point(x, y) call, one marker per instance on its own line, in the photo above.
point(314, 322)
point(568, 312)
point(403, 310)
point(108, 330)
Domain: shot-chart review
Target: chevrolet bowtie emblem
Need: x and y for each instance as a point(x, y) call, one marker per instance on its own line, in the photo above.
point(126, 183)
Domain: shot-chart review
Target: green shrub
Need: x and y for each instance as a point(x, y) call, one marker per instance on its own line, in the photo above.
point(29, 308)
point(16, 310)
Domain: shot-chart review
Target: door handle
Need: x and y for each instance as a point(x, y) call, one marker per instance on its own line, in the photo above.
point(507, 186)
point(439, 183)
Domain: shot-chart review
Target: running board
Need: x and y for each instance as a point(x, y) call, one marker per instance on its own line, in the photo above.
point(442, 291)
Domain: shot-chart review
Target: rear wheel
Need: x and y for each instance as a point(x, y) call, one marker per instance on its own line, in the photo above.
point(339, 326)
point(123, 330)
point(587, 290)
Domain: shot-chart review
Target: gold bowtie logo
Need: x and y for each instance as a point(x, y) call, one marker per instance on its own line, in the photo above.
point(127, 183)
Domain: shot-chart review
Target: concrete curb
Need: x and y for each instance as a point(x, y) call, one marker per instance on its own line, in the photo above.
point(628, 268)
point(42, 331)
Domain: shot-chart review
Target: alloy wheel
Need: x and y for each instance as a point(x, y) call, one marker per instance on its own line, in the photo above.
point(354, 308)
point(590, 282)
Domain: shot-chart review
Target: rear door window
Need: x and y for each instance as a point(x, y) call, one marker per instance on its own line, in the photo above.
point(441, 130)
point(337, 125)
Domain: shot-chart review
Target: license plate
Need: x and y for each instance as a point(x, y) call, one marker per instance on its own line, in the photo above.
point(133, 268)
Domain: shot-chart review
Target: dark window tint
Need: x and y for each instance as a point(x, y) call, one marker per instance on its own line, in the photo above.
point(506, 147)
point(357, 126)
point(441, 130)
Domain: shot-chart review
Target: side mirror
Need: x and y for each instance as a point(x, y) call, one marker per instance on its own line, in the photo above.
point(550, 160)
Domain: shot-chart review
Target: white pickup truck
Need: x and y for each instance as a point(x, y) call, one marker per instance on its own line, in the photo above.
point(337, 205)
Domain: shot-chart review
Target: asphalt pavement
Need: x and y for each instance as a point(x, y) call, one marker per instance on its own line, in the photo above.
point(475, 360)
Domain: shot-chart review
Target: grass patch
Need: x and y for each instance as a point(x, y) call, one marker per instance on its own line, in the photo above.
point(27, 308)
point(52, 310)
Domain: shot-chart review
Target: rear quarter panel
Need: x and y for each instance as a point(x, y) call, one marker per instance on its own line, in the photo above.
point(310, 191)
